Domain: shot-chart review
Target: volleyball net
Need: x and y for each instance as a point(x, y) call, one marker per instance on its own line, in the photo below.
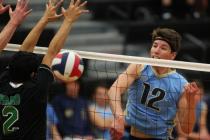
point(107, 67)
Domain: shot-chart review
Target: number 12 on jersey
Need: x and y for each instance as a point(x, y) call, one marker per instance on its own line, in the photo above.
point(157, 93)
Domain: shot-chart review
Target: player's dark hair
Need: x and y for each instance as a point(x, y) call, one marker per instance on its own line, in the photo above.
point(22, 65)
point(172, 37)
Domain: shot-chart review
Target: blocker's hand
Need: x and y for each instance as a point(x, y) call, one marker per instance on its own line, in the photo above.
point(75, 9)
point(63, 78)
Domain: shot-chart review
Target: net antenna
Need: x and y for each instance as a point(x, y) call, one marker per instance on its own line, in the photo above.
point(127, 59)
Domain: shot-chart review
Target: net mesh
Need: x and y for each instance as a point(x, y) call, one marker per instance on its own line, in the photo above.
point(147, 106)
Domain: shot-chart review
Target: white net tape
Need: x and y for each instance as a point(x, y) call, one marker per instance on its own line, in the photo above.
point(127, 59)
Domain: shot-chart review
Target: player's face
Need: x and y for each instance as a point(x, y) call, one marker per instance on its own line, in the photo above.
point(161, 50)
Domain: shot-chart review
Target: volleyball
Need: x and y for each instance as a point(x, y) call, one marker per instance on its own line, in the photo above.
point(68, 64)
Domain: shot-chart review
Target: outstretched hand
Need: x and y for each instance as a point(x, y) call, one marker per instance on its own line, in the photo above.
point(63, 78)
point(75, 9)
point(192, 92)
point(3, 8)
point(20, 12)
point(50, 14)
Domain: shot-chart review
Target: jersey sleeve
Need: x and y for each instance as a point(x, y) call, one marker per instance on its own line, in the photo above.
point(43, 81)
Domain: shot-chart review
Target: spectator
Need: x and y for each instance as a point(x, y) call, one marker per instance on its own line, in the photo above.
point(100, 112)
point(196, 9)
point(52, 122)
point(72, 112)
point(166, 9)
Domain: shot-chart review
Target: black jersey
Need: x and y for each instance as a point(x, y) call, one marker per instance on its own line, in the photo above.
point(23, 106)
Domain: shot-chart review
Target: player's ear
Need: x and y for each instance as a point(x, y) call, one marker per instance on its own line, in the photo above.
point(173, 55)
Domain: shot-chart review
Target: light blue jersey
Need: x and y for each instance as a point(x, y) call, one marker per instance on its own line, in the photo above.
point(152, 102)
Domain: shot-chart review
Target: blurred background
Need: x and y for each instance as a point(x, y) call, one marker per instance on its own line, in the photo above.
point(125, 27)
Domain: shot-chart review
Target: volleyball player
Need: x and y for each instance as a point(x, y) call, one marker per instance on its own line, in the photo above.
point(155, 95)
point(16, 18)
point(24, 85)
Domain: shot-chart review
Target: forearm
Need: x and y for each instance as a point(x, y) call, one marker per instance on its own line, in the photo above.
point(115, 101)
point(7, 34)
point(187, 118)
point(57, 42)
point(33, 37)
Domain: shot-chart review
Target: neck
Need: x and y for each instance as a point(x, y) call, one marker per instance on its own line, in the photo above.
point(161, 70)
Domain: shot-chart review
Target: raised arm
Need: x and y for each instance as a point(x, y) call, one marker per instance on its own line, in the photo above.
point(117, 89)
point(187, 106)
point(16, 18)
point(71, 14)
point(3, 8)
point(49, 15)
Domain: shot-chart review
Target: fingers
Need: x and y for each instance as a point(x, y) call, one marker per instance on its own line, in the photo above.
point(77, 3)
point(71, 3)
point(25, 4)
point(18, 3)
point(50, 2)
point(7, 7)
point(63, 10)
point(22, 4)
point(28, 12)
point(85, 11)
point(59, 4)
point(63, 78)
point(4, 9)
point(83, 4)
point(47, 6)
point(10, 11)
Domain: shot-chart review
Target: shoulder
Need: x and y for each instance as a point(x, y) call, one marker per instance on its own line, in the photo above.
point(134, 69)
point(179, 77)
point(44, 74)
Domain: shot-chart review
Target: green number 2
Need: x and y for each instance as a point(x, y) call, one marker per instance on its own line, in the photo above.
point(13, 115)
point(157, 93)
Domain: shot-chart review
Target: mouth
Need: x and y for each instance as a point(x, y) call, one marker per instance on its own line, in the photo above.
point(156, 57)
